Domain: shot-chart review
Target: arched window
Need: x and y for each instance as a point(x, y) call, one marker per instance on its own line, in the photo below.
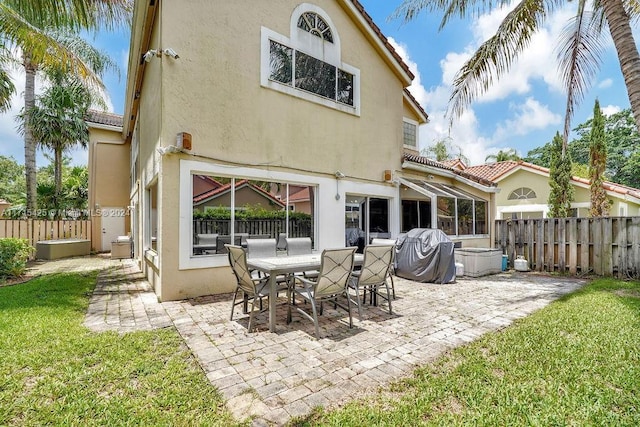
point(307, 64)
point(522, 193)
point(312, 23)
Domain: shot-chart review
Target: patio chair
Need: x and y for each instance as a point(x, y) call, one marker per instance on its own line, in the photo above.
point(282, 242)
point(298, 245)
point(392, 269)
point(205, 243)
point(331, 283)
point(263, 248)
point(373, 274)
point(254, 288)
point(301, 246)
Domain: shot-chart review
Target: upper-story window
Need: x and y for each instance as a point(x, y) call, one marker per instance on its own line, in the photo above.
point(522, 193)
point(314, 24)
point(308, 64)
point(410, 133)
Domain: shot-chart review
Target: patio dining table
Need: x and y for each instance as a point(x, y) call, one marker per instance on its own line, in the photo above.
point(278, 265)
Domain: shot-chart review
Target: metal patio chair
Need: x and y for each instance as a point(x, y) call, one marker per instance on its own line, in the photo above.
point(392, 269)
point(331, 283)
point(251, 288)
point(373, 274)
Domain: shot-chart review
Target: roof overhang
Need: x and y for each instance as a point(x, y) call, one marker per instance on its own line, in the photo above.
point(449, 174)
point(416, 107)
point(105, 127)
point(383, 50)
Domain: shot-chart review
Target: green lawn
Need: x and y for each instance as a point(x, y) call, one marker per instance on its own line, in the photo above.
point(54, 371)
point(575, 363)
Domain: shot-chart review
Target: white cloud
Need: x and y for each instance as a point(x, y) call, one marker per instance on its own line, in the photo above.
point(529, 116)
point(610, 110)
point(606, 83)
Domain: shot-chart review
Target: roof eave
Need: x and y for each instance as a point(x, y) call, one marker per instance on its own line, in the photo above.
point(449, 174)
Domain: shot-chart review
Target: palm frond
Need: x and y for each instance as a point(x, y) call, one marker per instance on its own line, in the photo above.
point(579, 57)
point(495, 56)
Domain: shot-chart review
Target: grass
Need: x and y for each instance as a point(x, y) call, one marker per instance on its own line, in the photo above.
point(54, 371)
point(575, 363)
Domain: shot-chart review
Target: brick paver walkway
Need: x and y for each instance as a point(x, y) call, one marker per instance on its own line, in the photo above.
point(272, 377)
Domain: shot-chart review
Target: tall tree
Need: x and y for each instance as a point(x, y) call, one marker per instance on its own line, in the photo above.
point(444, 149)
point(622, 143)
point(11, 180)
point(561, 193)
point(58, 118)
point(35, 27)
point(503, 156)
point(579, 50)
point(597, 164)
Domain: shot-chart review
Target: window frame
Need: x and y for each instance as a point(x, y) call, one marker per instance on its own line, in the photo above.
point(406, 120)
point(311, 45)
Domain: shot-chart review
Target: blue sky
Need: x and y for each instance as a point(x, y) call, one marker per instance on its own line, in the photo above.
point(522, 111)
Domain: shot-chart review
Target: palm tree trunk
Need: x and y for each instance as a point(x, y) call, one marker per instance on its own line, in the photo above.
point(620, 29)
point(57, 170)
point(29, 141)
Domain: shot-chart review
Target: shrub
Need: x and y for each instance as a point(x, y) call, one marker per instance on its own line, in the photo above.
point(14, 254)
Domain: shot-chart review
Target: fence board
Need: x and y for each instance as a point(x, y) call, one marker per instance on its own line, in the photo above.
point(562, 246)
point(607, 247)
point(530, 239)
point(621, 246)
point(585, 264)
point(634, 233)
point(540, 245)
point(35, 230)
point(573, 245)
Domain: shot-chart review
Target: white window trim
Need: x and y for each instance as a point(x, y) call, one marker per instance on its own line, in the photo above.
point(267, 34)
point(417, 125)
point(191, 167)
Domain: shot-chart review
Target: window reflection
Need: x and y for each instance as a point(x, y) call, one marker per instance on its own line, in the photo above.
point(232, 210)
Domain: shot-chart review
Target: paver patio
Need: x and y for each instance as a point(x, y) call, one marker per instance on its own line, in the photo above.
point(275, 376)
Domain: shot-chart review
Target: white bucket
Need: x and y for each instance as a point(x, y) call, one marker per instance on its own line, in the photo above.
point(520, 264)
point(459, 269)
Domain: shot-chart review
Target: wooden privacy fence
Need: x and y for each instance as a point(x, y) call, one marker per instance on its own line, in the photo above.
point(35, 230)
point(600, 246)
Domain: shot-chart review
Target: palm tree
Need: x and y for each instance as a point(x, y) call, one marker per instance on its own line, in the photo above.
point(579, 53)
point(503, 156)
point(58, 119)
point(30, 26)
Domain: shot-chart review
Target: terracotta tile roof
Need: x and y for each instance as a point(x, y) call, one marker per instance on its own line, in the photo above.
point(300, 196)
point(104, 118)
point(382, 37)
point(455, 164)
point(415, 101)
point(494, 171)
point(462, 173)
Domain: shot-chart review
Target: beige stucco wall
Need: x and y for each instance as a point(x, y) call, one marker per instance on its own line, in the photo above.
point(219, 99)
point(108, 179)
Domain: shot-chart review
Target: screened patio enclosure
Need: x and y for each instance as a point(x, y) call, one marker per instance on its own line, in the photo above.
point(427, 204)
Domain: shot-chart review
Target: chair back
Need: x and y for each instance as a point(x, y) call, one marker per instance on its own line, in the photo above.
point(376, 264)
point(335, 271)
point(298, 245)
point(261, 248)
point(378, 241)
point(238, 262)
point(207, 239)
point(282, 242)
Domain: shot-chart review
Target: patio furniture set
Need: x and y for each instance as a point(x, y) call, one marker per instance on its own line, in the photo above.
point(315, 278)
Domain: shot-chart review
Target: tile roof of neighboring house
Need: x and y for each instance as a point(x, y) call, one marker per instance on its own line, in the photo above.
point(455, 164)
point(495, 171)
point(104, 118)
point(226, 187)
point(462, 173)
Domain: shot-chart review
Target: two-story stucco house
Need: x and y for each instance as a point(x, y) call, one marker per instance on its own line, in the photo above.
point(305, 101)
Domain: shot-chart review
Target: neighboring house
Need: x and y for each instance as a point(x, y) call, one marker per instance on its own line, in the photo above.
point(3, 206)
point(307, 99)
point(524, 191)
point(246, 195)
point(109, 182)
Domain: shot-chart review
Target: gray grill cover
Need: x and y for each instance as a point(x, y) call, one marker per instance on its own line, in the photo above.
point(425, 255)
